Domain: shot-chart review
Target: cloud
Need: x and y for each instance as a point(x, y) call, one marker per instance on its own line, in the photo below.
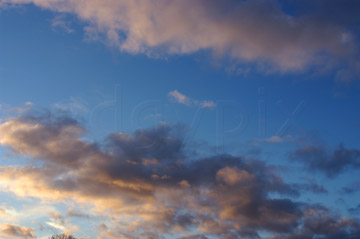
point(57, 217)
point(179, 98)
point(355, 210)
point(351, 188)
point(73, 105)
point(59, 22)
point(319, 222)
point(76, 213)
point(2, 212)
point(46, 140)
point(14, 231)
point(194, 236)
point(208, 104)
point(58, 221)
point(183, 99)
point(311, 187)
point(221, 196)
point(332, 163)
point(253, 31)
point(234, 175)
point(8, 110)
point(277, 139)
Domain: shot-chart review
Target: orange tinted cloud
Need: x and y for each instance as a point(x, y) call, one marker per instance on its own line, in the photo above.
point(14, 231)
point(2, 212)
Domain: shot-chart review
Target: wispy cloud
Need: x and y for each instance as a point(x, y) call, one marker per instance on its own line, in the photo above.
point(60, 22)
point(183, 99)
point(58, 221)
point(278, 139)
point(72, 105)
point(208, 104)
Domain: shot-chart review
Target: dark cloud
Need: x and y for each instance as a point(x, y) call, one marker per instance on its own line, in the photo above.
point(319, 222)
point(194, 236)
point(332, 163)
point(71, 212)
point(311, 186)
point(53, 139)
point(354, 210)
point(14, 231)
point(149, 175)
point(351, 188)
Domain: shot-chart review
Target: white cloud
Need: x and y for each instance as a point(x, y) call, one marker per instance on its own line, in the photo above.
point(179, 98)
point(183, 99)
point(208, 104)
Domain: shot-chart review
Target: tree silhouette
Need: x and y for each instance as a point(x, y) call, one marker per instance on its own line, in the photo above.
point(62, 236)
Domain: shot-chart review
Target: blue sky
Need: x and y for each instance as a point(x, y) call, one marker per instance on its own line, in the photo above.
point(113, 111)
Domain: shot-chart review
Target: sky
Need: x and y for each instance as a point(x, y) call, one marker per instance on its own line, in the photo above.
point(180, 119)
